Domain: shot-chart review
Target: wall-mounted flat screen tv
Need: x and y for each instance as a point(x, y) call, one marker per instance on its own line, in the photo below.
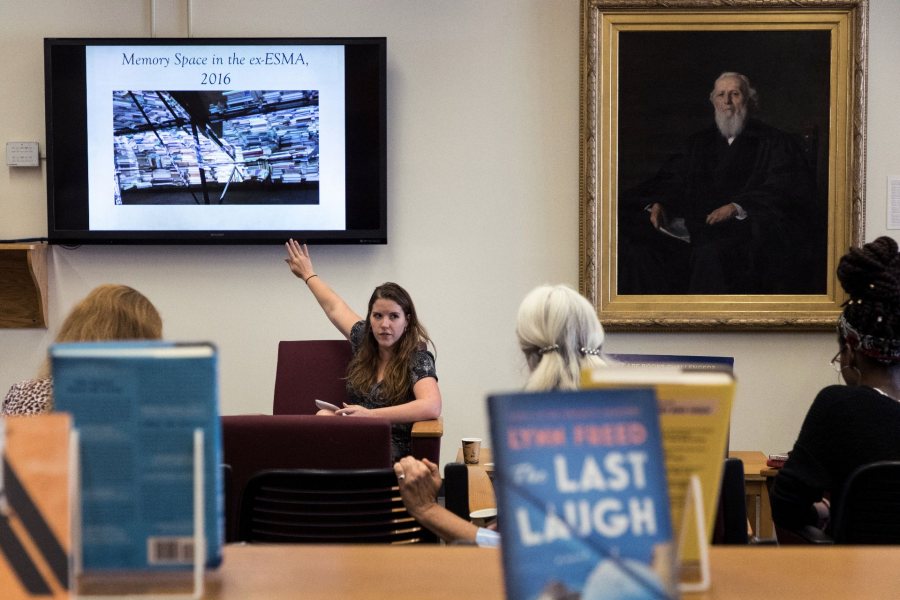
point(203, 141)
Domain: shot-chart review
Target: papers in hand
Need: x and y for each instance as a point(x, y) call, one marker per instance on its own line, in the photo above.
point(326, 405)
point(672, 227)
point(676, 229)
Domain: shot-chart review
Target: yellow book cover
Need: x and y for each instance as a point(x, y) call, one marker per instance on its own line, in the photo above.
point(694, 416)
point(34, 507)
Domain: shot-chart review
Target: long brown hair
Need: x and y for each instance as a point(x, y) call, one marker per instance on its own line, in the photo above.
point(109, 312)
point(362, 372)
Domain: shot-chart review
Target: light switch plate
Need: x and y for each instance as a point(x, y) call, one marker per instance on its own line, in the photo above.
point(23, 154)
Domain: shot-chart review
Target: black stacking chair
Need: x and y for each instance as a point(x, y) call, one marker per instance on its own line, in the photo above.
point(869, 509)
point(314, 506)
point(731, 518)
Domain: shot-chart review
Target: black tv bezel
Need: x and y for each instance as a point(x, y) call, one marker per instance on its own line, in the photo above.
point(364, 177)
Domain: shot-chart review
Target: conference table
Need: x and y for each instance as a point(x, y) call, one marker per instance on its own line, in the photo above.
point(437, 572)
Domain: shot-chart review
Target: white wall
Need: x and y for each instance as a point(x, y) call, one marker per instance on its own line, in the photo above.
point(483, 201)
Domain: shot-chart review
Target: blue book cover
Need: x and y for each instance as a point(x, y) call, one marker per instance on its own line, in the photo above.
point(692, 362)
point(136, 406)
point(582, 497)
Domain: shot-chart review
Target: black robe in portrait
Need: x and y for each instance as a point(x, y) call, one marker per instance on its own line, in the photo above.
point(763, 171)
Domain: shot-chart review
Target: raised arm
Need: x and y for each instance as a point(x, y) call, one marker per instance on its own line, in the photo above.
point(338, 312)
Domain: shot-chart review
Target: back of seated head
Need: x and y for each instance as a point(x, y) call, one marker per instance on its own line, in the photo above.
point(870, 321)
point(109, 312)
point(559, 334)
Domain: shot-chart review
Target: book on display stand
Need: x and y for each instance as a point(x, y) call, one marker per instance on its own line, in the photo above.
point(582, 496)
point(689, 361)
point(35, 527)
point(694, 416)
point(147, 457)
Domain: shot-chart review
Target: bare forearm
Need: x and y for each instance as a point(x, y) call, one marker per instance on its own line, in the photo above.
point(445, 524)
point(337, 311)
point(410, 412)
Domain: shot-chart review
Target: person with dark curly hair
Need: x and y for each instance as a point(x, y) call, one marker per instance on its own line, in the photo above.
point(391, 374)
point(850, 425)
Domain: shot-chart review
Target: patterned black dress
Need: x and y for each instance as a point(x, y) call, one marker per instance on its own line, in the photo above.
point(421, 366)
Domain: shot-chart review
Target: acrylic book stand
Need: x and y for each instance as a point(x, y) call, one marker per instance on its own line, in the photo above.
point(135, 584)
point(693, 501)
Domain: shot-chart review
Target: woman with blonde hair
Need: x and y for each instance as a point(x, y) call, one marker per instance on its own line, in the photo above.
point(559, 334)
point(109, 312)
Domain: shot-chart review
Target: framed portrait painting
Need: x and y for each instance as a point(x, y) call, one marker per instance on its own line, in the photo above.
point(722, 160)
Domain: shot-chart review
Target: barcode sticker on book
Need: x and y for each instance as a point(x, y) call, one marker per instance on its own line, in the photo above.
point(170, 550)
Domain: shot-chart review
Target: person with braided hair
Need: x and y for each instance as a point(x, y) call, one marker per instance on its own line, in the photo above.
point(850, 425)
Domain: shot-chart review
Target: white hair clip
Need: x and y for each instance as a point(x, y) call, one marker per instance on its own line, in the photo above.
point(547, 349)
point(591, 351)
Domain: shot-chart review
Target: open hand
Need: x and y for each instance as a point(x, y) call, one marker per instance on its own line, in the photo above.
point(298, 259)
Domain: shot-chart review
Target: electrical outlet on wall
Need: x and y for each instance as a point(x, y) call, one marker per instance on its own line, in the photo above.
point(23, 154)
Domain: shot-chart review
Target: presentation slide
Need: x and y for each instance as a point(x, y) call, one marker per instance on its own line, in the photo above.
point(216, 137)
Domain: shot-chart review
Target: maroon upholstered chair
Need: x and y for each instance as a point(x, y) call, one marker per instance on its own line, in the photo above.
point(426, 439)
point(308, 370)
point(253, 443)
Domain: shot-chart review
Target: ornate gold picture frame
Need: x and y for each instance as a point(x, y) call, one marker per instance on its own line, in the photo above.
point(649, 74)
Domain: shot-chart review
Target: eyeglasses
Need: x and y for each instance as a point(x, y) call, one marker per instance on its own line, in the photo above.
point(836, 361)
